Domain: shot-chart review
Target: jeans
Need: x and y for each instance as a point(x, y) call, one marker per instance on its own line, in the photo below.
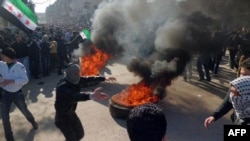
point(18, 99)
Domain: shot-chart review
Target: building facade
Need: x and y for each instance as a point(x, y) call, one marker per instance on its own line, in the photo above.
point(71, 12)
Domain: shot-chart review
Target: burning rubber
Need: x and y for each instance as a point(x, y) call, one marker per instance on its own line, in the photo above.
point(136, 94)
point(118, 111)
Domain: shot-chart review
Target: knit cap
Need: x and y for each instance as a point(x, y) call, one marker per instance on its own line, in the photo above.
point(72, 73)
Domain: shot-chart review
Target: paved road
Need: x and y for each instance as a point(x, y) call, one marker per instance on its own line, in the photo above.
point(187, 104)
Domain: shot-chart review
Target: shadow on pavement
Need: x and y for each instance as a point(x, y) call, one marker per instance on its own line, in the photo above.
point(184, 109)
point(44, 86)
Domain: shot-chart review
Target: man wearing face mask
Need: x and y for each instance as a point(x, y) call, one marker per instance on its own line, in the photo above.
point(226, 105)
point(68, 93)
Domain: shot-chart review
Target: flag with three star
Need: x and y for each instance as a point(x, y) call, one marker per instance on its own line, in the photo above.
point(20, 13)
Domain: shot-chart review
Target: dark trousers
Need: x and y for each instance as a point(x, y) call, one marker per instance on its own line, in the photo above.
point(53, 61)
point(35, 67)
point(203, 61)
point(232, 62)
point(18, 99)
point(46, 64)
point(71, 126)
point(216, 63)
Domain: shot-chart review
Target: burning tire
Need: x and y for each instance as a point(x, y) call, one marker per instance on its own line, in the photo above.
point(118, 111)
point(120, 104)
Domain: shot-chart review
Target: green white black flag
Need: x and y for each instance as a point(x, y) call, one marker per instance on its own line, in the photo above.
point(85, 34)
point(22, 12)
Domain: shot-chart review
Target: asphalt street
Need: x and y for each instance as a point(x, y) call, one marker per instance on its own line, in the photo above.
point(186, 105)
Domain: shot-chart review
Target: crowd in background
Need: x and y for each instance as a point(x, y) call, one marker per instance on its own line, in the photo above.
point(47, 50)
point(236, 42)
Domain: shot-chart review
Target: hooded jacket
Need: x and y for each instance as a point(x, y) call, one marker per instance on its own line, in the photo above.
point(68, 94)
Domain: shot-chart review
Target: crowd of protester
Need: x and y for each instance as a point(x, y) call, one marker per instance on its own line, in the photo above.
point(236, 42)
point(49, 49)
point(46, 50)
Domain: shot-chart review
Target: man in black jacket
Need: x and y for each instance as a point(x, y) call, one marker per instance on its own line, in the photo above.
point(68, 93)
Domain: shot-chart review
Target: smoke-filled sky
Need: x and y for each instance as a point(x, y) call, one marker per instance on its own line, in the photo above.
point(132, 23)
point(142, 26)
point(147, 28)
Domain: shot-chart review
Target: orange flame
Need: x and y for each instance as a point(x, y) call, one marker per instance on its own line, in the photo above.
point(135, 95)
point(91, 64)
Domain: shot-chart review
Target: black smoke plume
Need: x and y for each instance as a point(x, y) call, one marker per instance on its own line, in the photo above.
point(231, 13)
point(161, 35)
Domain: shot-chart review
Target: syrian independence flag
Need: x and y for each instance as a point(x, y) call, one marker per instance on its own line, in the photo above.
point(22, 12)
point(85, 34)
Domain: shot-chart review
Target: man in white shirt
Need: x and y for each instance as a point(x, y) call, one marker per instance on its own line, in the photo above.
point(14, 77)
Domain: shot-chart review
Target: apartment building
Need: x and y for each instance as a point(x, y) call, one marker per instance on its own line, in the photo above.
point(68, 12)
